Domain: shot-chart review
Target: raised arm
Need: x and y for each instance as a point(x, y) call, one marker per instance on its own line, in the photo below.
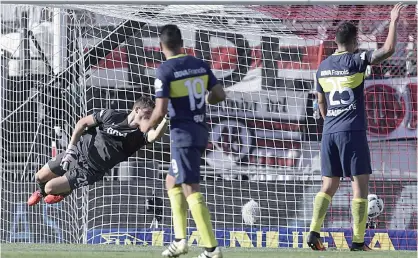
point(388, 48)
point(82, 124)
point(157, 133)
point(162, 95)
point(160, 110)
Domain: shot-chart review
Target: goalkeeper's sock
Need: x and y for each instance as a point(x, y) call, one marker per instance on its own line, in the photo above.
point(201, 216)
point(359, 212)
point(321, 203)
point(41, 188)
point(179, 210)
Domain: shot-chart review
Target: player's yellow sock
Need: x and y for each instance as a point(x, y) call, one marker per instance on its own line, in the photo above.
point(321, 203)
point(179, 210)
point(359, 212)
point(201, 216)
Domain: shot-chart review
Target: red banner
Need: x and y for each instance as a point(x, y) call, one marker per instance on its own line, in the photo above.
point(391, 108)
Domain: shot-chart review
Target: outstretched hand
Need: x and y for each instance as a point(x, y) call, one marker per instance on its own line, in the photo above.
point(395, 13)
point(69, 157)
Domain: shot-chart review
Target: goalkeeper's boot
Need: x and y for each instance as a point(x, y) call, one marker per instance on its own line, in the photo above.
point(360, 247)
point(214, 254)
point(35, 198)
point(314, 242)
point(51, 199)
point(176, 248)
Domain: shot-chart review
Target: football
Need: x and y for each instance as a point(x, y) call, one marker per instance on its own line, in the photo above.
point(375, 206)
point(251, 212)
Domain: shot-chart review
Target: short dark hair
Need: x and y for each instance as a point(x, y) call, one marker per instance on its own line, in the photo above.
point(170, 36)
point(346, 33)
point(144, 102)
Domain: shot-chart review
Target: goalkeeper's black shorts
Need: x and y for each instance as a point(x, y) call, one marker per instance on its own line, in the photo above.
point(79, 173)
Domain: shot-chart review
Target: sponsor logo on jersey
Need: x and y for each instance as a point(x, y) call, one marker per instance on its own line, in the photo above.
point(189, 72)
point(112, 131)
point(334, 72)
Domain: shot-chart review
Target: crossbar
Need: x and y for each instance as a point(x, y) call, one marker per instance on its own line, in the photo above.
point(208, 2)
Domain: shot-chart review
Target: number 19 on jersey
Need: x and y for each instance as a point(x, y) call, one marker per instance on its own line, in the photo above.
point(196, 89)
point(196, 92)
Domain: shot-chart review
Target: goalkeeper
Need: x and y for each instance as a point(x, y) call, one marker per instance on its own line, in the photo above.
point(99, 142)
point(181, 86)
point(344, 146)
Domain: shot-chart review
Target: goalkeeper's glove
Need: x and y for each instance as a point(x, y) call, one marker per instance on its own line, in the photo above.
point(69, 157)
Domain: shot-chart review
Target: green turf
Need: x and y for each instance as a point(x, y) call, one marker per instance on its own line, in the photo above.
point(114, 251)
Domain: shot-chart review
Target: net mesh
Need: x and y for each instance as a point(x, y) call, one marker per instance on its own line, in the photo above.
point(60, 63)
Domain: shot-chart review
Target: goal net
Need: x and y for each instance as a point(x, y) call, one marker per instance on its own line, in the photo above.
point(62, 62)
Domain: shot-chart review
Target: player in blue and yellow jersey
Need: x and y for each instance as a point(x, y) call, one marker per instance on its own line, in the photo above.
point(344, 147)
point(183, 86)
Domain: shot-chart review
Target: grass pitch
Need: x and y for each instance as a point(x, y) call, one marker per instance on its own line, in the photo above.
point(114, 251)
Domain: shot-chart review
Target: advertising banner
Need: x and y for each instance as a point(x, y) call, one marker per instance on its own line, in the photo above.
point(286, 204)
point(391, 108)
point(268, 105)
point(273, 237)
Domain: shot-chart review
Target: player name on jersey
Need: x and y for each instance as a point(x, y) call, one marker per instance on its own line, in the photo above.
point(337, 112)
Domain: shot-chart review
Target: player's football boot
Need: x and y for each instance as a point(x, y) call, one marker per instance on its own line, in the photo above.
point(35, 198)
point(176, 248)
point(51, 199)
point(217, 253)
point(360, 247)
point(314, 242)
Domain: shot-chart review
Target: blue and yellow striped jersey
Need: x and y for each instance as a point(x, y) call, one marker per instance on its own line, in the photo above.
point(341, 78)
point(185, 80)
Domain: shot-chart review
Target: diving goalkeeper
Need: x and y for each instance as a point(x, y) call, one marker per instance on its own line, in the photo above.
point(99, 142)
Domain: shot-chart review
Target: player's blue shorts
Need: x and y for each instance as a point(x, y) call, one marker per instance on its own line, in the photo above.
point(345, 154)
point(185, 164)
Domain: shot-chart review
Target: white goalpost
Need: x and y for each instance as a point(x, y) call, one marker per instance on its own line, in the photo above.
point(62, 60)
